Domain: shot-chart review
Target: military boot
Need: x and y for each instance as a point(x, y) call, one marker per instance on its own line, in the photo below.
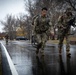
point(68, 51)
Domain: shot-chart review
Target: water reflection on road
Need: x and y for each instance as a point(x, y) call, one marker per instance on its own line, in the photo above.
point(26, 62)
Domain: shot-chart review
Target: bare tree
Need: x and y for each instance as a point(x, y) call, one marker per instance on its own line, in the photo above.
point(72, 3)
point(9, 26)
point(22, 24)
point(55, 8)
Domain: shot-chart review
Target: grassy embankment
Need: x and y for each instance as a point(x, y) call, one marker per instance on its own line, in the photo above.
point(72, 38)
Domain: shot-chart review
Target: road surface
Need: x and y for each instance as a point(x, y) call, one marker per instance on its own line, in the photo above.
point(26, 63)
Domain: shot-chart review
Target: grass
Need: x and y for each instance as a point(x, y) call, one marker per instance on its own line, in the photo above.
point(71, 38)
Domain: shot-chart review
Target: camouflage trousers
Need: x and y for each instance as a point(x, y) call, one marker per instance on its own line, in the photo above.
point(61, 39)
point(41, 40)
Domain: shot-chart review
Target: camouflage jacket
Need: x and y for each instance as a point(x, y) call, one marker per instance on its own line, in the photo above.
point(63, 21)
point(42, 24)
point(64, 24)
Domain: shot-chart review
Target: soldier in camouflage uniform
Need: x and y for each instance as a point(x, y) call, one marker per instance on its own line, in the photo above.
point(6, 37)
point(64, 31)
point(42, 26)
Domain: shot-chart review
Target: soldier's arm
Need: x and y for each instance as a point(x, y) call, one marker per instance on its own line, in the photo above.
point(34, 19)
point(74, 22)
point(60, 22)
point(51, 28)
point(34, 23)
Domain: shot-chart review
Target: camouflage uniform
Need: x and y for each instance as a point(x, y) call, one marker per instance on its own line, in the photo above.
point(62, 25)
point(41, 29)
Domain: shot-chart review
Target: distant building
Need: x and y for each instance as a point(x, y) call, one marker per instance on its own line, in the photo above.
point(2, 35)
point(20, 31)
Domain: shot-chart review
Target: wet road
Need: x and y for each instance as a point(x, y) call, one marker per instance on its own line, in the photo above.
point(25, 60)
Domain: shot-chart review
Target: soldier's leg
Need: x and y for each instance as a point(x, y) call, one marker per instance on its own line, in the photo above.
point(67, 45)
point(61, 38)
point(38, 38)
point(43, 41)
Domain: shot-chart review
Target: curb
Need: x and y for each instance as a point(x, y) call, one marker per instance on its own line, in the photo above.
point(8, 67)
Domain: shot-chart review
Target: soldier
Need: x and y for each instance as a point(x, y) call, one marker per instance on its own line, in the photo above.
point(42, 26)
point(6, 37)
point(64, 30)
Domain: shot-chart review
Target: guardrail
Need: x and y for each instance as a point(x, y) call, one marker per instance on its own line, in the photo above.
point(8, 67)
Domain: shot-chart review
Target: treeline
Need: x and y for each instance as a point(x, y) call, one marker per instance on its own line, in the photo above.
point(55, 8)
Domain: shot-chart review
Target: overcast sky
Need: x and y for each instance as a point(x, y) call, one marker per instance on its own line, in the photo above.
point(13, 7)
